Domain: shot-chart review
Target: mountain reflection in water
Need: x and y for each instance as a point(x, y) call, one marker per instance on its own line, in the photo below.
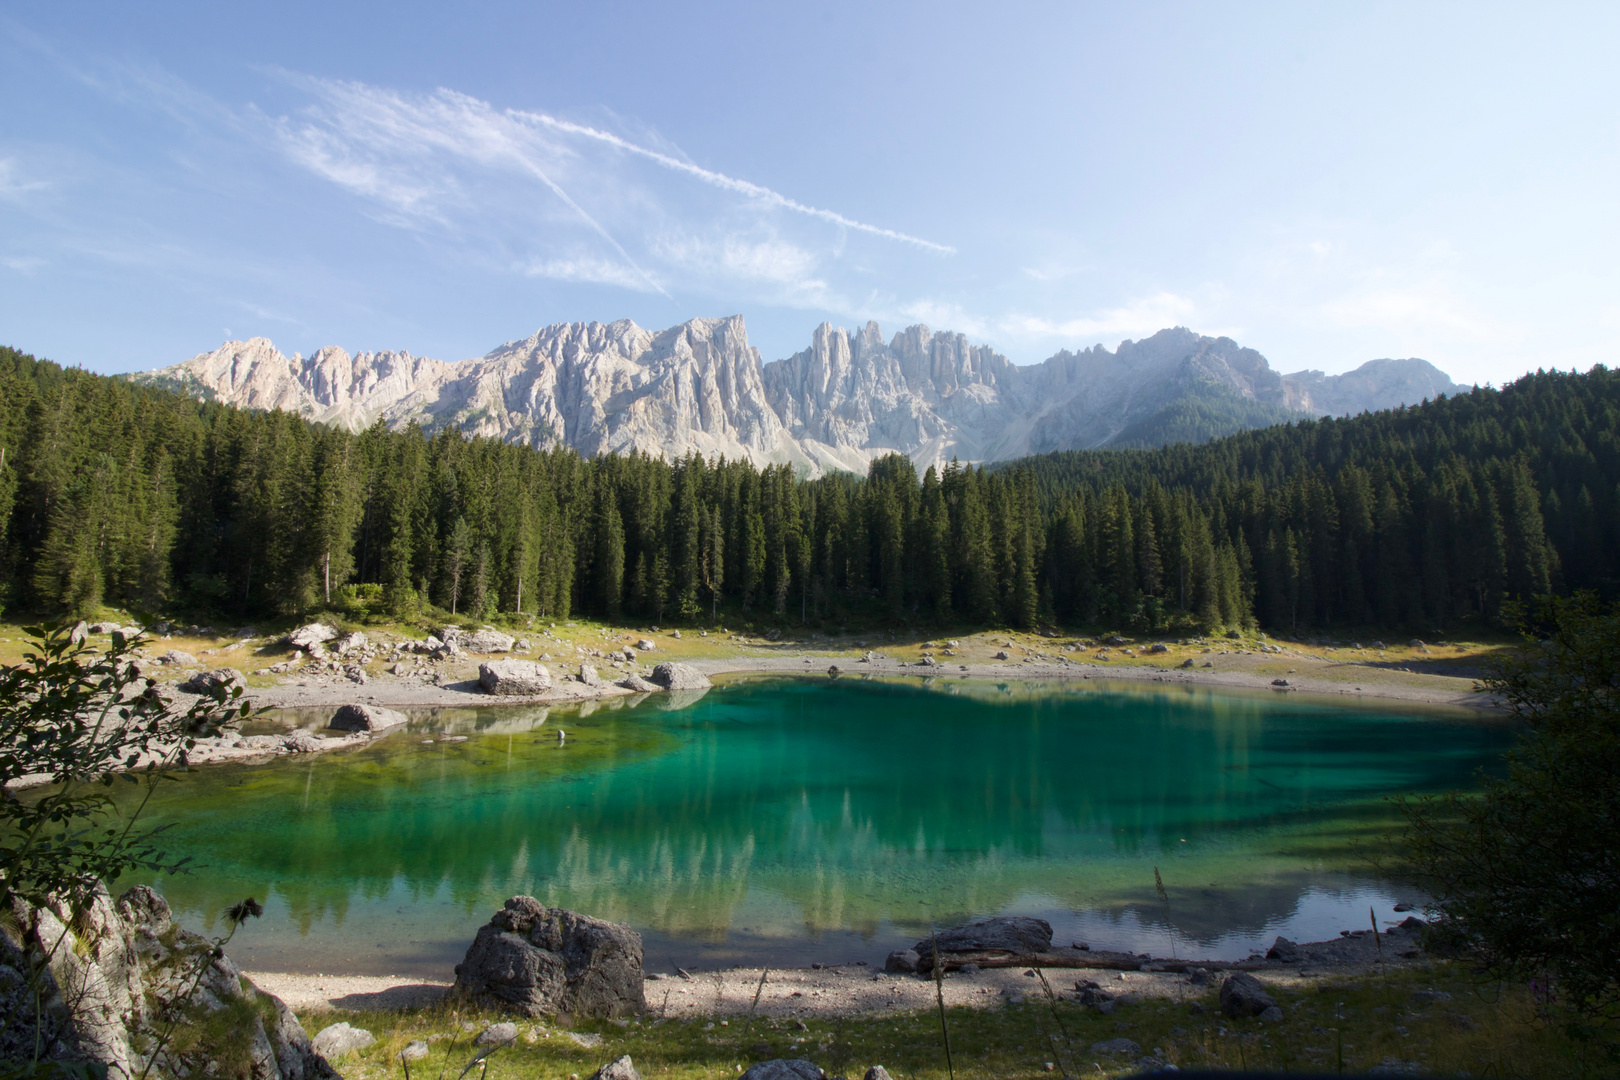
point(782, 821)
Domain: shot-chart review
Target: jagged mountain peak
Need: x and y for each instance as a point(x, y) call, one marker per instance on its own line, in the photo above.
point(849, 397)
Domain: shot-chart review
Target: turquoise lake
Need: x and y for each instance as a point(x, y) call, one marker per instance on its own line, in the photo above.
point(787, 821)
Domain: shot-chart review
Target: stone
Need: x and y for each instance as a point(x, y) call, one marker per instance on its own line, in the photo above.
point(513, 678)
point(178, 659)
point(1007, 933)
point(784, 1069)
point(105, 627)
point(676, 634)
point(588, 676)
point(115, 972)
point(79, 634)
point(303, 744)
point(646, 645)
point(415, 1050)
point(205, 682)
point(540, 961)
point(680, 677)
point(497, 1035)
point(315, 633)
point(339, 1039)
point(1284, 950)
point(620, 1068)
point(487, 640)
point(1273, 1015)
point(1003, 655)
point(876, 1072)
point(368, 718)
point(1116, 641)
point(1159, 647)
point(350, 642)
point(638, 684)
point(1279, 682)
point(902, 961)
point(1412, 923)
point(1116, 1046)
point(1244, 995)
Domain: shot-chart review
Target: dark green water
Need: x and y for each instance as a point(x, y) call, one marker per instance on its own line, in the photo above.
point(786, 821)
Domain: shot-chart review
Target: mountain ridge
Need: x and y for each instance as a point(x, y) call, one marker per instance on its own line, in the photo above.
point(849, 397)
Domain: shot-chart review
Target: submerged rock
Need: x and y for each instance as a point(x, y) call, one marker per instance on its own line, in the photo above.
point(1012, 933)
point(541, 961)
point(368, 718)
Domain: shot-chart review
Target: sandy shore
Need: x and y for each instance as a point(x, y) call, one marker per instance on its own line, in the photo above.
point(848, 989)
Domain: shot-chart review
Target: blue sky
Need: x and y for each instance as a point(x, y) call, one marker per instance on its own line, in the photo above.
point(1327, 183)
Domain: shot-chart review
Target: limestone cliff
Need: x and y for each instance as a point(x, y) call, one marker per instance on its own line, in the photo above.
point(848, 398)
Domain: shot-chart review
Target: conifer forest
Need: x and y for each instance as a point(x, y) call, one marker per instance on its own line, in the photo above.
point(1420, 518)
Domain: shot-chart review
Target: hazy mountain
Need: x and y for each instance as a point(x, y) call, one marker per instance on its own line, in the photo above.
point(846, 399)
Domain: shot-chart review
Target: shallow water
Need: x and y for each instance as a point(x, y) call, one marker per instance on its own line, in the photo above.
point(784, 821)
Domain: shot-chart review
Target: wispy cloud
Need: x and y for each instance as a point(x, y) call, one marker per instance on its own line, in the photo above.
point(14, 187)
point(454, 165)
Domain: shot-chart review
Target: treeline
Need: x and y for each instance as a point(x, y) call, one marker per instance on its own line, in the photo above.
point(115, 494)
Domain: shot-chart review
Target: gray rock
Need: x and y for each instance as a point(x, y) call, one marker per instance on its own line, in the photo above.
point(304, 744)
point(370, 718)
point(178, 659)
point(620, 1068)
point(588, 676)
point(79, 634)
point(415, 1050)
point(638, 684)
point(646, 645)
point(116, 972)
point(540, 961)
point(1244, 995)
point(510, 678)
point(1012, 933)
point(680, 677)
point(1159, 647)
point(487, 640)
point(204, 682)
point(312, 634)
point(902, 961)
point(1273, 1015)
point(1284, 950)
point(1116, 641)
point(497, 1035)
point(1003, 655)
point(350, 642)
point(1116, 1046)
point(339, 1039)
point(784, 1069)
point(876, 1072)
point(104, 627)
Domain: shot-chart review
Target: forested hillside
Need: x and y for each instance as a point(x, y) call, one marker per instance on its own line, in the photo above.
point(1418, 518)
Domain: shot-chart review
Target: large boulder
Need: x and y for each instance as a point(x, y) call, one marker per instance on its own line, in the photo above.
point(368, 718)
point(119, 976)
point(205, 682)
point(541, 961)
point(315, 633)
point(1007, 933)
point(680, 677)
point(638, 684)
point(588, 676)
point(513, 678)
point(336, 1040)
point(1244, 995)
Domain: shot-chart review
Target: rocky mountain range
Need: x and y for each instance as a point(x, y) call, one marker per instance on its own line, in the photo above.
point(848, 398)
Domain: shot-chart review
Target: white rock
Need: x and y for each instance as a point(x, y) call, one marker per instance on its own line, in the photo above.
point(340, 1039)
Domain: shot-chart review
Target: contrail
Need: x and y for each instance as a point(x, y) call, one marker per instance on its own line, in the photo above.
point(593, 223)
point(730, 183)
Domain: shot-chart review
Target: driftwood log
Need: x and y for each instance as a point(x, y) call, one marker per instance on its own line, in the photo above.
point(1083, 958)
